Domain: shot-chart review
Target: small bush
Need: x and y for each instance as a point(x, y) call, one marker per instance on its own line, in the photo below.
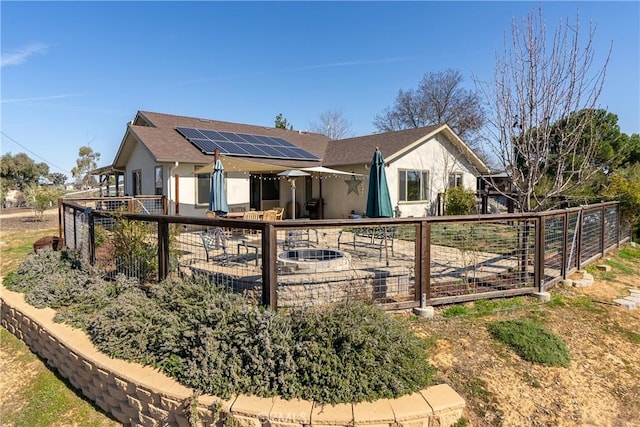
point(531, 342)
point(460, 201)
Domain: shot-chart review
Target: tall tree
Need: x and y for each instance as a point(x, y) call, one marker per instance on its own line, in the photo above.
point(333, 124)
point(439, 99)
point(85, 163)
point(282, 123)
point(58, 178)
point(539, 83)
point(20, 171)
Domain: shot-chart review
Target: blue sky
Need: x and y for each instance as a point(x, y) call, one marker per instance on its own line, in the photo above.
point(74, 73)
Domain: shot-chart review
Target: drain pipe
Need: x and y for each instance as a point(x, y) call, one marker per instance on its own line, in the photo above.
point(175, 166)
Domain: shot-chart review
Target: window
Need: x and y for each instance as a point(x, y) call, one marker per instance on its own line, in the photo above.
point(203, 188)
point(158, 177)
point(455, 179)
point(414, 186)
point(136, 182)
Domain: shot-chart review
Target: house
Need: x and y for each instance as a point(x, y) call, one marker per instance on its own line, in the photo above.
point(164, 154)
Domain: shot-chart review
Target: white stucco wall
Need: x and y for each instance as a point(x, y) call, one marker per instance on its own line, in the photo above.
point(437, 156)
point(140, 160)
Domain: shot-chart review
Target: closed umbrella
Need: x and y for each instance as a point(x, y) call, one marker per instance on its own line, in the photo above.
point(378, 199)
point(218, 195)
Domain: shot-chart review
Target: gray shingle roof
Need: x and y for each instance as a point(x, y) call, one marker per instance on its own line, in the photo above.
point(360, 149)
point(156, 131)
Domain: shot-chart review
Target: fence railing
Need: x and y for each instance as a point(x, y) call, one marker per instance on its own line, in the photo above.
point(397, 263)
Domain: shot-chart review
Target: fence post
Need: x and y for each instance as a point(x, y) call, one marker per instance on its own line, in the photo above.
point(426, 261)
point(565, 244)
point(269, 267)
point(602, 246)
point(92, 237)
point(579, 222)
point(618, 223)
point(163, 249)
point(538, 272)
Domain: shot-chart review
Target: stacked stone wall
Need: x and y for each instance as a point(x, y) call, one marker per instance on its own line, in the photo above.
point(139, 395)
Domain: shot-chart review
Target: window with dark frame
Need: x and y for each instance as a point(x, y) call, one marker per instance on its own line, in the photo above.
point(455, 179)
point(414, 185)
point(203, 188)
point(158, 180)
point(136, 184)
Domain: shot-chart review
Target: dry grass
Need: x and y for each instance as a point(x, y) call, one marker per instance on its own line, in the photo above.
point(600, 386)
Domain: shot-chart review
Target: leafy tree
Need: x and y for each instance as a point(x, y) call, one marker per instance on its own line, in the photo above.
point(58, 178)
point(535, 102)
point(439, 99)
point(86, 162)
point(20, 171)
point(40, 198)
point(624, 185)
point(282, 123)
point(612, 151)
point(333, 124)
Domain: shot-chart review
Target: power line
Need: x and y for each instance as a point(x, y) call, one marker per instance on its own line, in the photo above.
point(41, 158)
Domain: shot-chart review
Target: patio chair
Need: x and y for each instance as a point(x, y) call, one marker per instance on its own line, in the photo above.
point(270, 215)
point(279, 213)
point(213, 240)
point(251, 215)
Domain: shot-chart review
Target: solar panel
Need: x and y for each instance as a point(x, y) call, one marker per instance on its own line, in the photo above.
point(242, 144)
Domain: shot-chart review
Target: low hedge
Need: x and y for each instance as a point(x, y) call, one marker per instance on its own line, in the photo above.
point(220, 344)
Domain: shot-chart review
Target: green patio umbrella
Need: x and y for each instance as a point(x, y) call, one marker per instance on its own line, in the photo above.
point(378, 199)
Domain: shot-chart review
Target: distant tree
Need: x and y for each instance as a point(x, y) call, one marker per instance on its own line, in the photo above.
point(333, 124)
point(439, 99)
point(20, 170)
point(282, 123)
point(40, 198)
point(624, 186)
point(58, 178)
point(534, 100)
point(86, 162)
point(613, 150)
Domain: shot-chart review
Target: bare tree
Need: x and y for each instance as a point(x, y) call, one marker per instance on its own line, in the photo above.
point(538, 85)
point(439, 99)
point(333, 124)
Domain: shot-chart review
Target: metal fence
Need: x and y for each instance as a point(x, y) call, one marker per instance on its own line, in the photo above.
point(397, 263)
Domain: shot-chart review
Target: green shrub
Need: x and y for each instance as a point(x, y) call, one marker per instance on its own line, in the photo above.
point(356, 352)
point(531, 342)
point(460, 201)
point(220, 344)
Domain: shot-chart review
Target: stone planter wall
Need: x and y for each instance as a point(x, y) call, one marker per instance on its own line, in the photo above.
point(137, 395)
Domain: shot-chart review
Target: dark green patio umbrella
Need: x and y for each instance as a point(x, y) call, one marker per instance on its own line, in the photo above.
point(378, 199)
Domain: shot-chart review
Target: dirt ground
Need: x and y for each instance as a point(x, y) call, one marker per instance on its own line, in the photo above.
point(599, 388)
point(21, 219)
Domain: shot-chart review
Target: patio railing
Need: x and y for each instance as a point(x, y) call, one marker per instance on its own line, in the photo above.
point(397, 263)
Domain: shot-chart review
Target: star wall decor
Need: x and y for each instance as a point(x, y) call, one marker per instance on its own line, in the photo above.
point(354, 185)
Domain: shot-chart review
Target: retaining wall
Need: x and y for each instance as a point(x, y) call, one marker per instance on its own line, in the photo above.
point(138, 395)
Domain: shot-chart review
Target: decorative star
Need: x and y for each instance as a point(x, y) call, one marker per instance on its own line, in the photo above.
point(353, 184)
